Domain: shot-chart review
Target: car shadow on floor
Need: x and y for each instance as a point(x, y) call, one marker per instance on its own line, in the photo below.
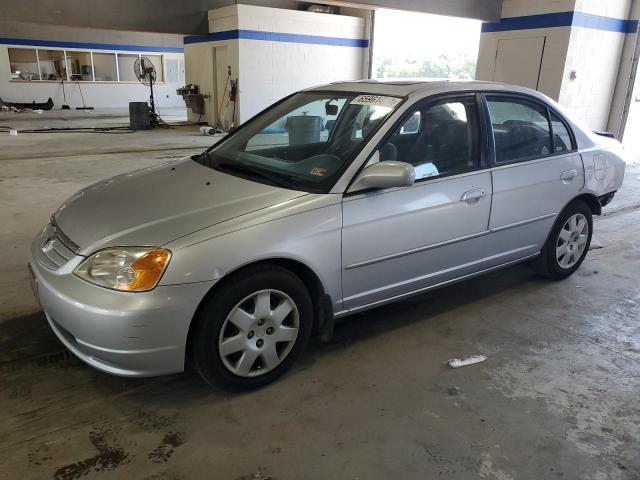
point(29, 346)
point(422, 308)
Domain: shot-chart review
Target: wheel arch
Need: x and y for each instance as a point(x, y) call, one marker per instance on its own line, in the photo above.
point(587, 198)
point(591, 200)
point(306, 274)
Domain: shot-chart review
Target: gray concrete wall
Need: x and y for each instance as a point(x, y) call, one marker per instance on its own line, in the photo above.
point(89, 35)
point(480, 9)
point(170, 16)
point(174, 16)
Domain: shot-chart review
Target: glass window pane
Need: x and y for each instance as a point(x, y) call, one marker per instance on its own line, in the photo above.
point(24, 64)
point(308, 124)
point(79, 66)
point(412, 125)
point(172, 71)
point(561, 137)
point(52, 65)
point(157, 63)
point(305, 142)
point(520, 129)
point(125, 67)
point(104, 65)
point(440, 139)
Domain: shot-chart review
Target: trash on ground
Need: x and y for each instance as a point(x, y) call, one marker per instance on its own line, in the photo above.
point(595, 244)
point(463, 362)
point(13, 132)
point(454, 391)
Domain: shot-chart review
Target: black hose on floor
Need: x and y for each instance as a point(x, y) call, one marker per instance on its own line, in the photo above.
point(113, 130)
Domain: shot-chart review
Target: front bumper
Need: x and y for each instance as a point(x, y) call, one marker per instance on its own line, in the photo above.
point(123, 333)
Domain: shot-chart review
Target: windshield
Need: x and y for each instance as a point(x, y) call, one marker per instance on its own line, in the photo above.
point(303, 143)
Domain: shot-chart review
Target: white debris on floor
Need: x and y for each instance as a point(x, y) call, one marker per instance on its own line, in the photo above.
point(463, 362)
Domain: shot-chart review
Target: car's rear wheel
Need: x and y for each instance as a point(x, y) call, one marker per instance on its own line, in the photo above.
point(252, 329)
point(567, 244)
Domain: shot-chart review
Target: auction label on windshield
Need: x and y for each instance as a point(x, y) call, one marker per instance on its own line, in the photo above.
point(378, 100)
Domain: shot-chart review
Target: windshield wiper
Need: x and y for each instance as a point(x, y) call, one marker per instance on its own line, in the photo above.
point(247, 171)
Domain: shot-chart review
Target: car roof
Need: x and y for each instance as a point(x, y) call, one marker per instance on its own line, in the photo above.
point(425, 88)
point(409, 87)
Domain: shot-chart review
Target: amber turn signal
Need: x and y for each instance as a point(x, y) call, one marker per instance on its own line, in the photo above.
point(147, 271)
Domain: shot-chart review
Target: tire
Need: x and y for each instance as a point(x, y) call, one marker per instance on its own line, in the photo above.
point(249, 319)
point(576, 237)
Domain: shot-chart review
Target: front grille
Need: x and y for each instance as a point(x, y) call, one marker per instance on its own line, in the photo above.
point(55, 248)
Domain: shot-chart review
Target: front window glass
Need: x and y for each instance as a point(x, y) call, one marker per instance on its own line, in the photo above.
point(520, 129)
point(438, 139)
point(305, 142)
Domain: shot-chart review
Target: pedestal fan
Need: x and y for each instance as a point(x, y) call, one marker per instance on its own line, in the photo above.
point(146, 73)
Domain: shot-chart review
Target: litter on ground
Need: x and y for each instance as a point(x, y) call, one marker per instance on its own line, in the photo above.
point(463, 362)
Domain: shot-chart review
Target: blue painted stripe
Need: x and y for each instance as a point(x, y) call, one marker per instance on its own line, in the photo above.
point(277, 37)
point(562, 19)
point(87, 46)
point(597, 22)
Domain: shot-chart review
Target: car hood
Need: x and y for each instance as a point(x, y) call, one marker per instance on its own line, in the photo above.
point(156, 205)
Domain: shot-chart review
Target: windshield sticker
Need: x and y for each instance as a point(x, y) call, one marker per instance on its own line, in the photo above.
point(318, 171)
point(378, 100)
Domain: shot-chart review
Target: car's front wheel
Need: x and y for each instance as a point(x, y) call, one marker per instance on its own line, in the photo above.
point(567, 244)
point(252, 329)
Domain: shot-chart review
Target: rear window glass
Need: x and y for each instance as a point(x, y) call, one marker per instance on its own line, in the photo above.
point(520, 128)
point(561, 136)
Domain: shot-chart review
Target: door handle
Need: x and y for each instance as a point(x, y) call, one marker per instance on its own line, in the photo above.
point(473, 196)
point(568, 175)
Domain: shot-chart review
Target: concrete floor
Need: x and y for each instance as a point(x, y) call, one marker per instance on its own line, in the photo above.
point(556, 399)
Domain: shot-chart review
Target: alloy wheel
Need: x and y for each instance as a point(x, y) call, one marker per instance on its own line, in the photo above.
point(572, 240)
point(258, 333)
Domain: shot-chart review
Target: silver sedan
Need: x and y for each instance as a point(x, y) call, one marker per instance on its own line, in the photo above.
point(332, 201)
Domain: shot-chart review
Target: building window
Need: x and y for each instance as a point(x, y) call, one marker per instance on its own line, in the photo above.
point(104, 67)
point(52, 65)
point(24, 64)
point(28, 64)
point(157, 63)
point(125, 67)
point(80, 67)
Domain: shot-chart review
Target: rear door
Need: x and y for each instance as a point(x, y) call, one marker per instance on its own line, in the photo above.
point(536, 171)
point(400, 240)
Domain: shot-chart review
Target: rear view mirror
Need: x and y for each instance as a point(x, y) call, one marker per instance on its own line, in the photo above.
point(330, 108)
point(387, 174)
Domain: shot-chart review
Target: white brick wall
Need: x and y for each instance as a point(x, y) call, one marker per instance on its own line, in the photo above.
point(594, 55)
point(270, 70)
point(608, 8)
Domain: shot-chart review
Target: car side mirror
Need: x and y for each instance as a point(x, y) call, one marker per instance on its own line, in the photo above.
point(386, 174)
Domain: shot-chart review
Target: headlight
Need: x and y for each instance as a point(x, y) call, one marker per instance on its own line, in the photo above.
point(132, 269)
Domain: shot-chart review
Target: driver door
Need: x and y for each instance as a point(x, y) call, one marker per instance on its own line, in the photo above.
point(400, 240)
